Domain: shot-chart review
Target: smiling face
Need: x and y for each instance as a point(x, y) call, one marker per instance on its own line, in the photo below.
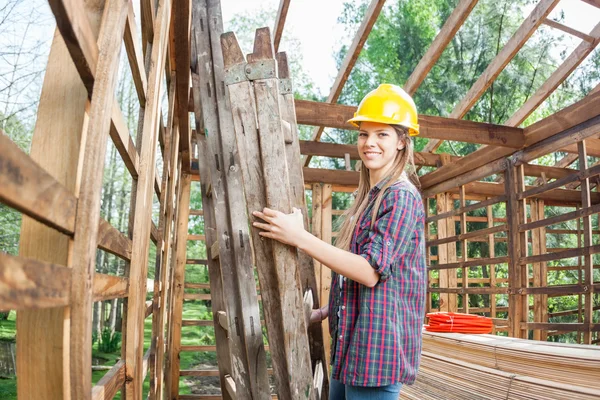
point(378, 146)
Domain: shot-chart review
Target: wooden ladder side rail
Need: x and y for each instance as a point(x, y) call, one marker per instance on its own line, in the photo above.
point(210, 229)
point(248, 357)
point(163, 247)
point(258, 127)
point(296, 177)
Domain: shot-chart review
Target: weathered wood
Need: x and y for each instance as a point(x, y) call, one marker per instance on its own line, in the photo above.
point(326, 206)
point(182, 20)
point(445, 35)
point(119, 134)
point(580, 213)
point(113, 241)
point(135, 56)
point(588, 269)
point(142, 222)
point(336, 115)
point(41, 350)
point(88, 207)
point(282, 11)
point(349, 60)
point(28, 188)
point(510, 49)
point(468, 235)
point(336, 150)
point(305, 262)
point(466, 209)
point(111, 382)
point(107, 287)
point(178, 287)
point(28, 283)
point(236, 269)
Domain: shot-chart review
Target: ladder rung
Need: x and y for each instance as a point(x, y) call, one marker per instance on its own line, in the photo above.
point(199, 372)
point(196, 237)
point(196, 212)
point(196, 296)
point(214, 250)
point(197, 285)
point(198, 348)
point(197, 322)
point(197, 261)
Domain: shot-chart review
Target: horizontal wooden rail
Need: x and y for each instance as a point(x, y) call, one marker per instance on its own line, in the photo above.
point(581, 251)
point(29, 283)
point(196, 261)
point(470, 207)
point(107, 287)
point(196, 212)
point(471, 263)
point(28, 188)
point(189, 285)
point(469, 235)
point(563, 326)
point(577, 176)
point(557, 290)
point(108, 386)
point(196, 237)
point(208, 372)
point(471, 290)
point(197, 322)
point(111, 240)
point(582, 212)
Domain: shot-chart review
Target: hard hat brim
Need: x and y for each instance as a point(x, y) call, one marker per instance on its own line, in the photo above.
point(413, 129)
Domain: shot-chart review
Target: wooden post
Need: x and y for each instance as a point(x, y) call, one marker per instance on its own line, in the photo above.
point(178, 283)
point(326, 200)
point(451, 249)
point(588, 267)
point(43, 339)
point(492, 254)
point(442, 232)
point(535, 247)
point(464, 243)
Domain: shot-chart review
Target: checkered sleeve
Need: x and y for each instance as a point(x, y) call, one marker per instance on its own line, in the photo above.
point(395, 223)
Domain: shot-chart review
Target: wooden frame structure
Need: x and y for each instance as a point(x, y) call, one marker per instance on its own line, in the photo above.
point(53, 283)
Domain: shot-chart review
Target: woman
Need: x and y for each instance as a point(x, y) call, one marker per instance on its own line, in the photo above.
point(377, 299)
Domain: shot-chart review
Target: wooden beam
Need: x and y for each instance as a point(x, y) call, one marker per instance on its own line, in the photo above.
point(108, 287)
point(351, 56)
point(557, 77)
point(135, 56)
point(336, 115)
point(569, 30)
point(28, 188)
point(527, 28)
point(111, 382)
point(28, 283)
point(563, 120)
point(182, 20)
point(595, 3)
point(282, 11)
point(42, 342)
point(446, 34)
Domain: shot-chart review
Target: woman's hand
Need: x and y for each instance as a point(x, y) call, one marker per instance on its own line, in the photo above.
point(286, 228)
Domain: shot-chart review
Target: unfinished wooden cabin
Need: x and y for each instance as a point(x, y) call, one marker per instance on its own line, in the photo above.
point(229, 138)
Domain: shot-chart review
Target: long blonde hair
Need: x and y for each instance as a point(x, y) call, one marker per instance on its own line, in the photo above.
point(403, 158)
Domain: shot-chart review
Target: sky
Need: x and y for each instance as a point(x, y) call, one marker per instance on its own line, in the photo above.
point(314, 23)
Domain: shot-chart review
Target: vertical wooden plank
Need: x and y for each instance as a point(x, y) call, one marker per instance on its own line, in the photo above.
point(138, 272)
point(588, 268)
point(513, 244)
point(535, 247)
point(261, 149)
point(182, 17)
point(326, 200)
point(214, 269)
point(465, 246)
point(42, 342)
point(178, 283)
point(88, 207)
point(161, 289)
point(294, 163)
point(276, 182)
point(317, 218)
point(442, 229)
point(245, 340)
point(523, 271)
point(543, 271)
point(492, 253)
point(451, 249)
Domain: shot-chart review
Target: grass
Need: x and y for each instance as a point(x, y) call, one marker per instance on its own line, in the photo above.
point(190, 336)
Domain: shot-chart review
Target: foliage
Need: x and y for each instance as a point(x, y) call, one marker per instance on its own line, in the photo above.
point(109, 341)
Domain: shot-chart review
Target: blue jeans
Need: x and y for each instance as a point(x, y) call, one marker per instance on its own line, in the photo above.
point(340, 391)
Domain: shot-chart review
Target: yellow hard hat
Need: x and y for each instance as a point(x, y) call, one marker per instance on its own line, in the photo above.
point(388, 104)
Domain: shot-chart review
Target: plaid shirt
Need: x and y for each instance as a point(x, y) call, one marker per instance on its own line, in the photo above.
point(377, 331)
